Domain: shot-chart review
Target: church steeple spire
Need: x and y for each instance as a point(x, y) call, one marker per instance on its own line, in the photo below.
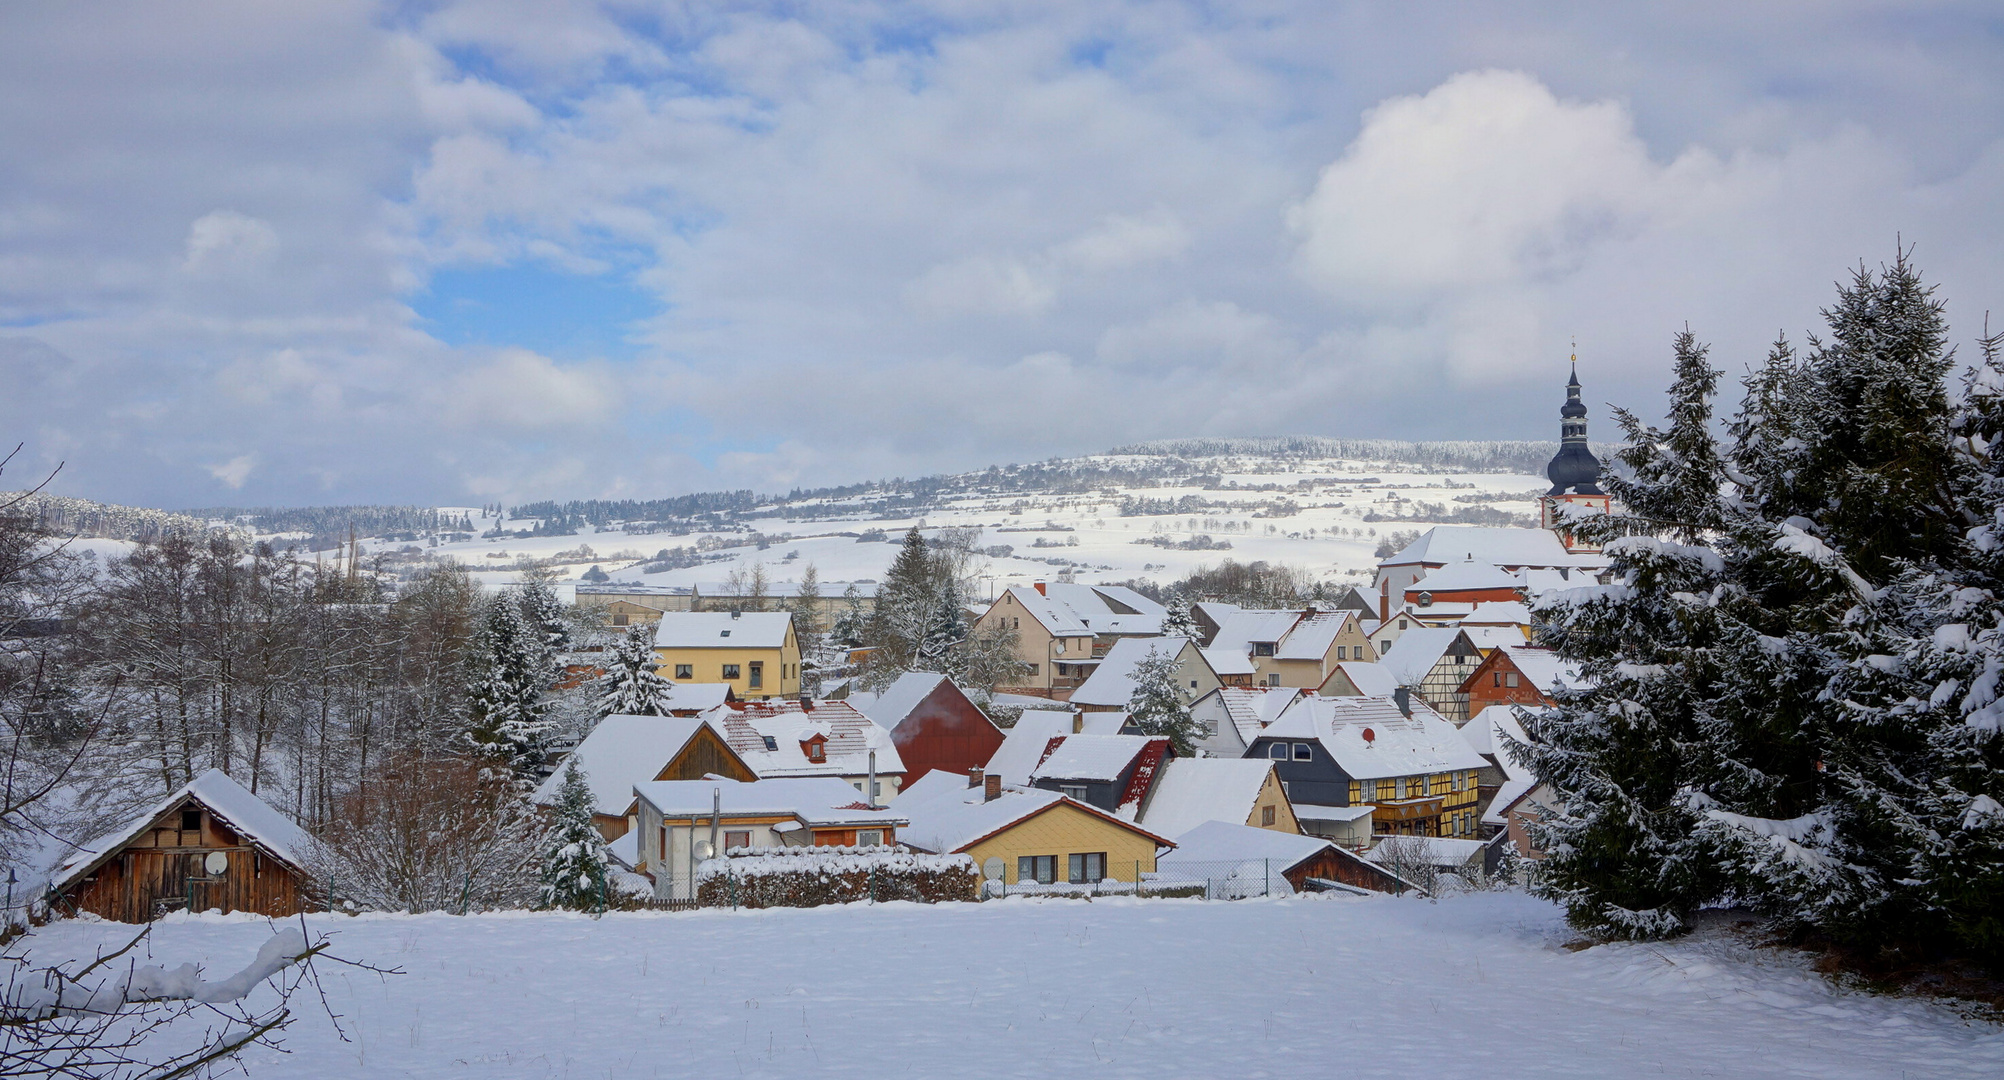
point(1574, 470)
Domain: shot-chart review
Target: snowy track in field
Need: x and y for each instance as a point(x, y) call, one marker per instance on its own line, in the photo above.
point(1475, 987)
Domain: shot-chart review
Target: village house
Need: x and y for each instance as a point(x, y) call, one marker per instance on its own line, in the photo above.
point(1266, 858)
point(1505, 548)
point(212, 845)
point(622, 751)
point(933, 724)
point(1512, 795)
point(1230, 717)
point(1231, 666)
point(791, 739)
point(1290, 648)
point(1112, 772)
point(1517, 675)
point(1241, 791)
point(1062, 630)
point(1111, 685)
point(755, 653)
point(1395, 755)
point(1435, 662)
point(676, 820)
point(1032, 836)
point(1359, 679)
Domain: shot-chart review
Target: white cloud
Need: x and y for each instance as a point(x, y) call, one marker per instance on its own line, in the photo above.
point(226, 242)
point(235, 471)
point(526, 390)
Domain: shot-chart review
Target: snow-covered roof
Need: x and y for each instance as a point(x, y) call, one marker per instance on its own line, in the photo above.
point(851, 736)
point(1486, 734)
point(696, 697)
point(1400, 745)
point(898, 699)
point(1417, 651)
point(1023, 746)
point(248, 816)
point(1312, 635)
point(947, 815)
point(721, 630)
point(1191, 791)
point(1499, 613)
point(1466, 576)
point(1241, 628)
point(1077, 610)
point(1543, 668)
point(1318, 812)
point(1102, 722)
point(1090, 757)
point(1436, 850)
point(626, 849)
point(1507, 795)
point(1253, 707)
point(1494, 637)
point(620, 752)
point(1112, 683)
point(1229, 661)
point(821, 801)
point(1225, 841)
point(1370, 679)
point(1444, 544)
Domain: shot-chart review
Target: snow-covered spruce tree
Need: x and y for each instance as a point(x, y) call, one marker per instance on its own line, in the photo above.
point(575, 863)
point(1779, 653)
point(1179, 623)
point(632, 686)
point(545, 613)
point(1157, 706)
point(505, 721)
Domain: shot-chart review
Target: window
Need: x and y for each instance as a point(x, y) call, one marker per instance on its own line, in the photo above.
point(770, 742)
point(1262, 648)
point(869, 837)
point(619, 620)
point(1277, 751)
point(1303, 753)
point(685, 671)
point(1457, 781)
point(1033, 669)
point(730, 671)
point(1496, 678)
point(1400, 788)
point(1073, 791)
point(726, 633)
point(1266, 815)
point(1402, 624)
point(1042, 869)
point(1273, 679)
point(817, 751)
point(757, 675)
point(1193, 684)
point(1342, 652)
point(737, 839)
point(1210, 727)
point(1087, 868)
point(1510, 679)
point(661, 853)
point(191, 821)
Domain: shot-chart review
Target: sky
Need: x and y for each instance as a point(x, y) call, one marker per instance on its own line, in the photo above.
point(447, 252)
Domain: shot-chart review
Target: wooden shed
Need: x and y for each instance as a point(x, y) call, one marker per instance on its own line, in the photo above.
point(211, 844)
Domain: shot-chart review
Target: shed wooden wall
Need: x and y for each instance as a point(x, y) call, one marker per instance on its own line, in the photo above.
point(132, 885)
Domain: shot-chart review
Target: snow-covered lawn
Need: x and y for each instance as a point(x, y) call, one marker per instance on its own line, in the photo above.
point(1475, 986)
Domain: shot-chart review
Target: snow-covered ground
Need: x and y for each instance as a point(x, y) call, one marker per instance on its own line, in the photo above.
point(1475, 986)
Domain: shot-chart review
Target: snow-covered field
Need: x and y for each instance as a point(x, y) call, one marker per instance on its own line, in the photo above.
point(1475, 986)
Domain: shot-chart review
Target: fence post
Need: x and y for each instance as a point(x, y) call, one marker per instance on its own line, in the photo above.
point(1137, 877)
point(466, 892)
point(1266, 880)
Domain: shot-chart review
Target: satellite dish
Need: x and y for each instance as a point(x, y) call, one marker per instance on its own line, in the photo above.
point(215, 863)
point(991, 868)
point(704, 850)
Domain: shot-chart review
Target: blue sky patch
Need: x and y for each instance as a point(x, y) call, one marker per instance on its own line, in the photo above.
point(563, 316)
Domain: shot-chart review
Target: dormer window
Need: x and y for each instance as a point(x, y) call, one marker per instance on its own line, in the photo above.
point(1262, 648)
point(770, 742)
point(725, 633)
point(816, 748)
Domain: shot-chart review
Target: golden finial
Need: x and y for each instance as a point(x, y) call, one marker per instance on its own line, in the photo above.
point(1576, 350)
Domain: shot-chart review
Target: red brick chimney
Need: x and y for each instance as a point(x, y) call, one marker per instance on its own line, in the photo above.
point(1040, 589)
point(991, 787)
point(974, 776)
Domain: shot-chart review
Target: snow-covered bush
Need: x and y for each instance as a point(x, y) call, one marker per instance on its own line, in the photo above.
point(810, 877)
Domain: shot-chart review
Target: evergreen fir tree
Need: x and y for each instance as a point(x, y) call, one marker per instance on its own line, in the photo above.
point(505, 720)
point(1180, 623)
point(575, 864)
point(632, 684)
point(1157, 706)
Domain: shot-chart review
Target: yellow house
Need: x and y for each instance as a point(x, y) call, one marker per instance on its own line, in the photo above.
point(1038, 836)
point(1293, 648)
point(755, 652)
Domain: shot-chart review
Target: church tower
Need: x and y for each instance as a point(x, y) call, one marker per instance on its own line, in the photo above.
point(1574, 472)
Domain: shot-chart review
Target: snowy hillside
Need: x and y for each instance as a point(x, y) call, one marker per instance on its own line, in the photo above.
point(1477, 986)
point(1152, 511)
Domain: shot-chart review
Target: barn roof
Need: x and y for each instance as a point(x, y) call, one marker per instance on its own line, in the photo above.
point(620, 752)
point(898, 699)
point(247, 815)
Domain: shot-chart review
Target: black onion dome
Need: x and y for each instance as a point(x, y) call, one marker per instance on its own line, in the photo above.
point(1574, 468)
